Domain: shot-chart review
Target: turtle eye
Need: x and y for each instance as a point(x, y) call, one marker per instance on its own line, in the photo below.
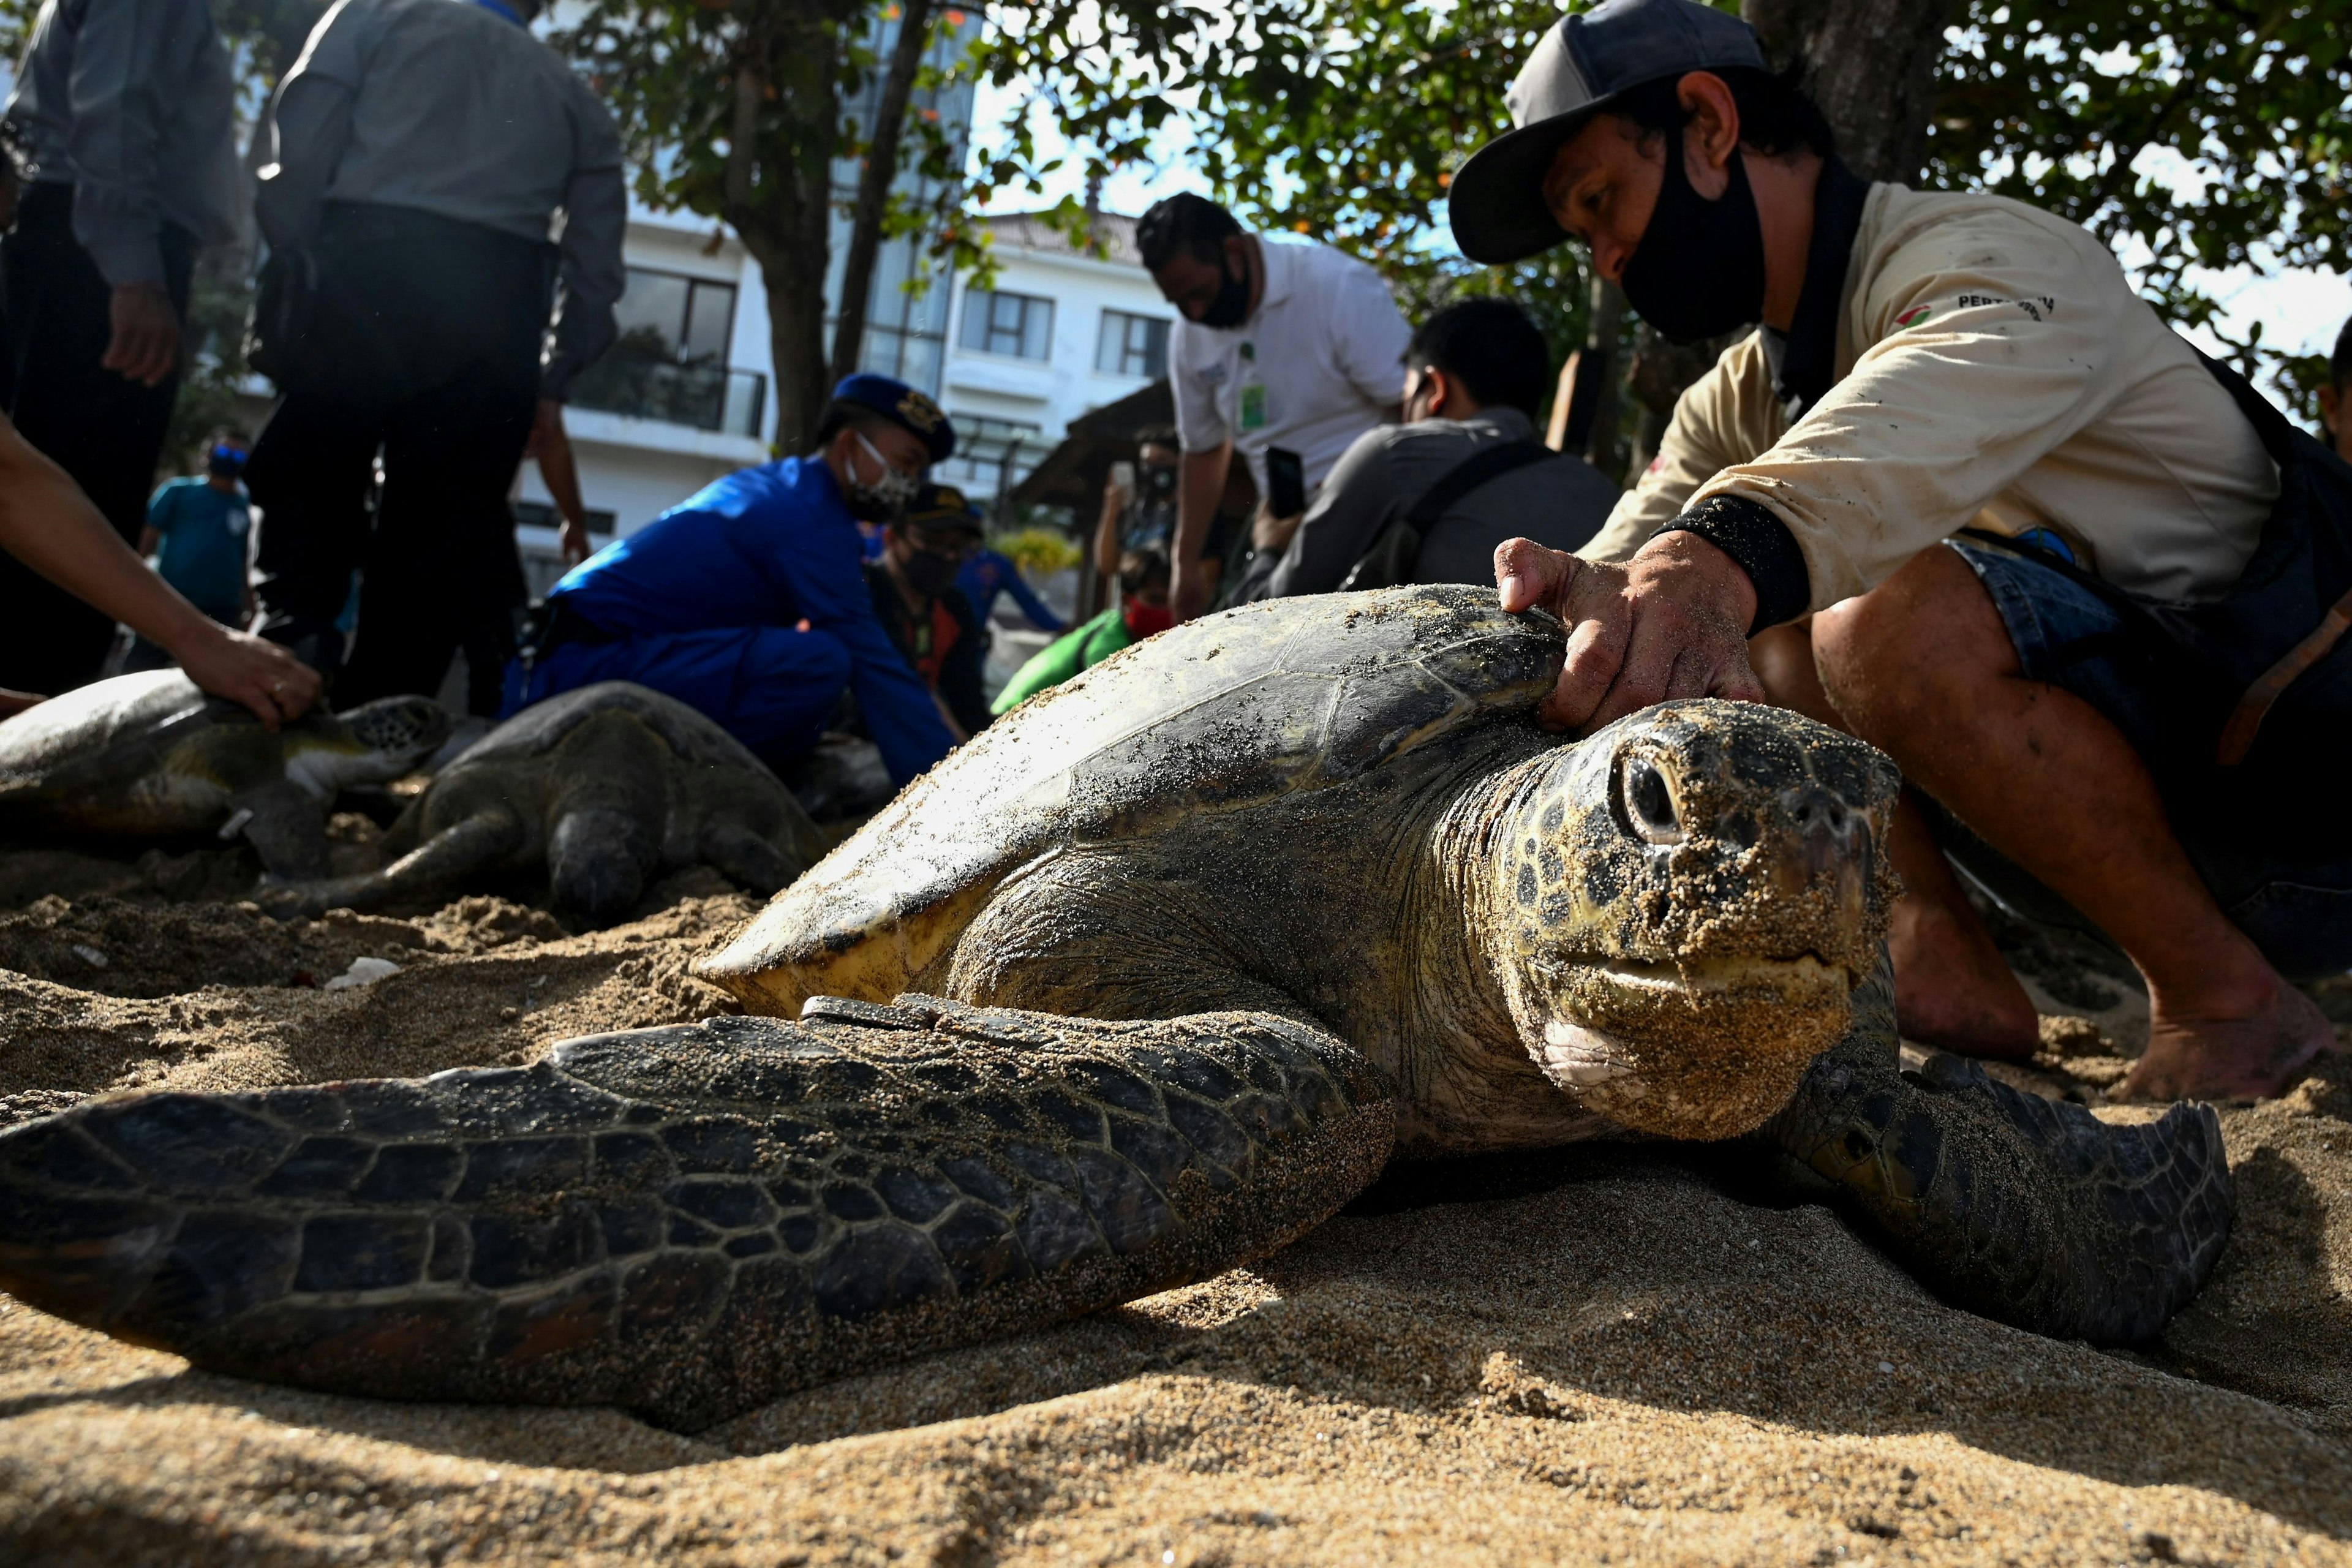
point(1650, 803)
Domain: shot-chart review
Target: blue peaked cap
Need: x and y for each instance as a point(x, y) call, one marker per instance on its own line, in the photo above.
point(902, 406)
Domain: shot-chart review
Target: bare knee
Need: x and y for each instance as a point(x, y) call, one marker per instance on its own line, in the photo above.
point(1912, 649)
point(1782, 657)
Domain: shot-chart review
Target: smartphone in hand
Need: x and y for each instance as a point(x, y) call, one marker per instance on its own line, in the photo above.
point(1286, 482)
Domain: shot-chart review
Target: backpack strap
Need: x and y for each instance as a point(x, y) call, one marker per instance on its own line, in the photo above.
point(1389, 559)
point(1472, 473)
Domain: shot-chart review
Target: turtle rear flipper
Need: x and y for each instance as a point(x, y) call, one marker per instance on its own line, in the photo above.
point(2029, 1211)
point(689, 1221)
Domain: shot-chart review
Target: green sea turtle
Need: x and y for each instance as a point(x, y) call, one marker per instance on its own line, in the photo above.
point(151, 757)
point(605, 789)
point(1225, 922)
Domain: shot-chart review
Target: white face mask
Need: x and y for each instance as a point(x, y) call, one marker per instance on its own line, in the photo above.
point(880, 500)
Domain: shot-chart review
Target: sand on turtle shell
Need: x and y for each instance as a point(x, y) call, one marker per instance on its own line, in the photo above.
point(1588, 1355)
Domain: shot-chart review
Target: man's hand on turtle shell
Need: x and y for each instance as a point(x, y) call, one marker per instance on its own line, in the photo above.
point(1672, 622)
point(276, 686)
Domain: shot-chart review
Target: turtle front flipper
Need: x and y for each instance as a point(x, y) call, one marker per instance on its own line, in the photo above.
point(434, 867)
point(2029, 1211)
point(689, 1221)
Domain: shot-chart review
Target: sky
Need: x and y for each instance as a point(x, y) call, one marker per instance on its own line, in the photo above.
point(2301, 309)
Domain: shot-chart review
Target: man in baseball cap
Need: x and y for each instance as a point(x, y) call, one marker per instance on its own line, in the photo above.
point(747, 601)
point(1926, 363)
point(918, 602)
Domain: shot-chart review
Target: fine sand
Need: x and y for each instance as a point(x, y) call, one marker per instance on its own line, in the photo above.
point(1588, 1356)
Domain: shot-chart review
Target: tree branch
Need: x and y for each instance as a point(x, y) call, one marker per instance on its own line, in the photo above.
point(743, 135)
point(873, 183)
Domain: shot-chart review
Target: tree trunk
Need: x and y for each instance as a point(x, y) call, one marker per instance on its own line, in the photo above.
point(795, 276)
point(778, 198)
point(1871, 66)
point(880, 172)
point(1656, 375)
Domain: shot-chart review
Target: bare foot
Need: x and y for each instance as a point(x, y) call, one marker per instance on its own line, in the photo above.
point(2249, 1057)
point(1952, 987)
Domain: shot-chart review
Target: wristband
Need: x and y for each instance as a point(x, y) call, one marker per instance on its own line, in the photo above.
point(1760, 543)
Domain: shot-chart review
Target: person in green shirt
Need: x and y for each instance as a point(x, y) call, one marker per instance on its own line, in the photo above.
point(1142, 610)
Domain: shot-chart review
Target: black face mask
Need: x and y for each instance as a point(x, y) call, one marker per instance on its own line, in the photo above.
point(929, 572)
point(1699, 269)
point(1231, 307)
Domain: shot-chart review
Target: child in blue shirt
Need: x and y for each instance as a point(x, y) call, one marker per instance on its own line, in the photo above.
point(200, 525)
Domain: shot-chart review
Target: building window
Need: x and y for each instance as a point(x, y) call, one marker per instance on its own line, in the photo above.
point(991, 455)
point(669, 361)
point(1132, 346)
point(685, 321)
point(1020, 325)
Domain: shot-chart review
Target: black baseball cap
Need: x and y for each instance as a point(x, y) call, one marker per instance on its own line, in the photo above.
point(1581, 66)
point(941, 509)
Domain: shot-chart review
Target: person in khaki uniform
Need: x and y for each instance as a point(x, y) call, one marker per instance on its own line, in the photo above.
point(1993, 370)
point(1911, 504)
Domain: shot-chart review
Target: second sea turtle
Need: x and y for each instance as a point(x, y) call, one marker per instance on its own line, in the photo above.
point(150, 756)
point(604, 789)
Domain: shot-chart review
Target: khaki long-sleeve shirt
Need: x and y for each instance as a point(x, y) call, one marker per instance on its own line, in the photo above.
point(1995, 370)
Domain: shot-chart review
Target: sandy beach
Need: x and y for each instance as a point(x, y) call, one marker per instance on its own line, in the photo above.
point(1601, 1354)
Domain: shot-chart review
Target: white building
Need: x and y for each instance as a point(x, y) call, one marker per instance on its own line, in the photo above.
point(1062, 330)
point(685, 397)
point(682, 400)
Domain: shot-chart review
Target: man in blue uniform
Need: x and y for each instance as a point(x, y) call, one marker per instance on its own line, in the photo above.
point(747, 601)
point(196, 530)
point(991, 572)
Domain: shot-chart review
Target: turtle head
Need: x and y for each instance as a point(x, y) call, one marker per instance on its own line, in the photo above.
point(1684, 906)
point(372, 744)
point(402, 731)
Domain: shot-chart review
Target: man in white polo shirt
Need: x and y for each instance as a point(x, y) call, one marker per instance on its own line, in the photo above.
point(1291, 346)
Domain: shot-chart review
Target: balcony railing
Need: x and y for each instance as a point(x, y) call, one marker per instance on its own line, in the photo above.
point(703, 396)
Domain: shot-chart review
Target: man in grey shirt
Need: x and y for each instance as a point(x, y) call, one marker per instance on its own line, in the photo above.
point(421, 151)
point(1475, 375)
point(124, 108)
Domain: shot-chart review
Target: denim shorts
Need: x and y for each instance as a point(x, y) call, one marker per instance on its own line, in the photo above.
point(2299, 912)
